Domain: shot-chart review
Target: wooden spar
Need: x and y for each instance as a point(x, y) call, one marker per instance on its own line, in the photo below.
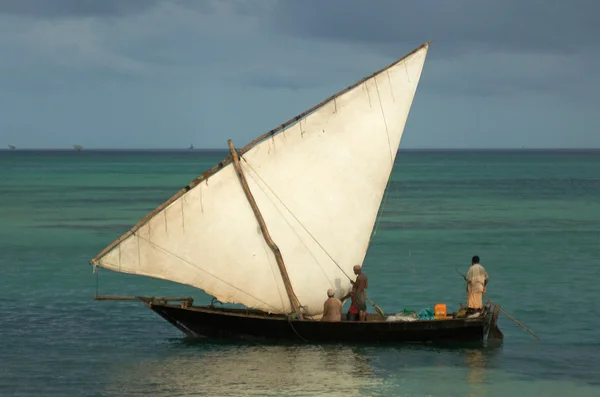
point(148, 300)
point(263, 227)
point(241, 152)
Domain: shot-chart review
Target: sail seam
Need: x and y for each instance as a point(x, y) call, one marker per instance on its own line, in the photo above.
point(227, 161)
point(387, 132)
point(201, 269)
point(139, 256)
point(182, 214)
point(390, 84)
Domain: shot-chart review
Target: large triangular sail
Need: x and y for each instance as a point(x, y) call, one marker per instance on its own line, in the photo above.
point(318, 181)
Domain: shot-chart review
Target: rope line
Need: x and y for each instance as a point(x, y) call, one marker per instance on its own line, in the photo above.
point(203, 270)
point(302, 241)
point(294, 329)
point(297, 220)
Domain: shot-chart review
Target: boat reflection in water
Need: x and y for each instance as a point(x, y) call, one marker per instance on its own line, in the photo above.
point(476, 377)
point(226, 370)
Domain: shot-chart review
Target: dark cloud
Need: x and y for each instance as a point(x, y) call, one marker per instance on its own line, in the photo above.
point(494, 71)
point(479, 49)
point(274, 81)
point(454, 26)
point(488, 75)
point(74, 8)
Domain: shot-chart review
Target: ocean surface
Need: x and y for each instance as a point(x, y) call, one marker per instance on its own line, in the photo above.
point(532, 216)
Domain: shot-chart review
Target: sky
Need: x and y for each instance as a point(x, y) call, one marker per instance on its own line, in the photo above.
point(164, 74)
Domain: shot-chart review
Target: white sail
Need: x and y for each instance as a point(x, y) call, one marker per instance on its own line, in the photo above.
point(318, 184)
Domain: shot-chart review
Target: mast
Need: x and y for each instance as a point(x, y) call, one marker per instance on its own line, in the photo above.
point(263, 227)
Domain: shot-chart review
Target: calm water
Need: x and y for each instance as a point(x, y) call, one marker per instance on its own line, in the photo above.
point(534, 218)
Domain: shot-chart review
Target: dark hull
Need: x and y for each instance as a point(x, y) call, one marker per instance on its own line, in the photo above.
point(240, 324)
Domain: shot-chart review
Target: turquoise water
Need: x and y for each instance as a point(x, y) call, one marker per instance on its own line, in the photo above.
point(533, 217)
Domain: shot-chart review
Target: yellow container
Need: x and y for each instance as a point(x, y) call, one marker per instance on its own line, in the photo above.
point(439, 311)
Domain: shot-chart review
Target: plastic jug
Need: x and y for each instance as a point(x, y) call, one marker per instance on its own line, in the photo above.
point(440, 311)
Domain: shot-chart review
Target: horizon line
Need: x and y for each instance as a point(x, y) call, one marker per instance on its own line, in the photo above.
point(225, 149)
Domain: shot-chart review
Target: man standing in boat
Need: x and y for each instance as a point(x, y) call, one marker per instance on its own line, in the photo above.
point(332, 309)
point(477, 279)
point(360, 295)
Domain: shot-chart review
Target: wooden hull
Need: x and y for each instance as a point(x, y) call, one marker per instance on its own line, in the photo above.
point(241, 324)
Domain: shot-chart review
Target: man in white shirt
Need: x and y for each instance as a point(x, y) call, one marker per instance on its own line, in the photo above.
point(477, 279)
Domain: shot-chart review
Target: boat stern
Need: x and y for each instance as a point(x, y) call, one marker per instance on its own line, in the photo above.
point(492, 333)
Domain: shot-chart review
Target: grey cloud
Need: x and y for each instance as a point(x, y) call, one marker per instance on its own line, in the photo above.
point(455, 26)
point(121, 73)
point(278, 81)
point(74, 8)
point(479, 49)
point(119, 8)
point(505, 74)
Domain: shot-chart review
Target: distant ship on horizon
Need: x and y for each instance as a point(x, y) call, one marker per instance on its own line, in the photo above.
point(12, 147)
point(79, 148)
point(191, 147)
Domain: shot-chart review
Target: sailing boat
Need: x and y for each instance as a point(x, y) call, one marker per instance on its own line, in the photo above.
point(280, 221)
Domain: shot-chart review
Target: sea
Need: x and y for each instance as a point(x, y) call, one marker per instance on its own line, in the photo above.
point(533, 217)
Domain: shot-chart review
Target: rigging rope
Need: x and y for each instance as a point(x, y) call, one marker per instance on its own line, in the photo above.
point(294, 216)
point(377, 308)
point(309, 251)
point(305, 229)
point(294, 329)
point(199, 268)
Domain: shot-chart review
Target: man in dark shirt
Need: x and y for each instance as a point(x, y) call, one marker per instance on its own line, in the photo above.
point(360, 294)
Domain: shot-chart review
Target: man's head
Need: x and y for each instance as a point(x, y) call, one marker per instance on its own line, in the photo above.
point(330, 292)
point(474, 260)
point(356, 269)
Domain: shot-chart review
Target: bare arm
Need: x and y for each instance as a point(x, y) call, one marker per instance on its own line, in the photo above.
point(347, 295)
